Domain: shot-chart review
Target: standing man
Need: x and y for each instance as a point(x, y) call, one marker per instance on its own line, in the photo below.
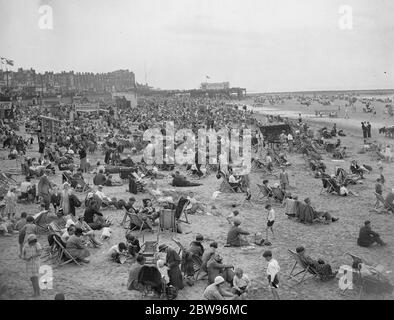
point(290, 140)
point(41, 147)
point(364, 128)
point(272, 273)
point(368, 130)
point(346, 111)
point(82, 158)
point(284, 179)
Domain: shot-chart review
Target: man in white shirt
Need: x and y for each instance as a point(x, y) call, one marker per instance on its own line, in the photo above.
point(290, 140)
point(272, 273)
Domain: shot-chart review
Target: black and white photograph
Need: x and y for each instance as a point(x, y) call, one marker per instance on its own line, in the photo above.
point(199, 150)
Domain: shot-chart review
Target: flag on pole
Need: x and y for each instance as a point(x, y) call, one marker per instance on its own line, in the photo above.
point(10, 62)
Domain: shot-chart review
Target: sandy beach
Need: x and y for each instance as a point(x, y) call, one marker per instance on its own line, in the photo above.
point(102, 279)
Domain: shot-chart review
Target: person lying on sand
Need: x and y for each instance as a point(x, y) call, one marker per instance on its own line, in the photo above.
point(181, 181)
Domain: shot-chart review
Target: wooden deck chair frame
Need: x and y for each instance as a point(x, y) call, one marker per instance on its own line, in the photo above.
point(329, 188)
point(197, 262)
point(305, 269)
point(228, 185)
point(173, 227)
point(386, 206)
point(362, 279)
point(263, 191)
point(184, 212)
point(64, 253)
point(42, 216)
point(149, 249)
point(137, 221)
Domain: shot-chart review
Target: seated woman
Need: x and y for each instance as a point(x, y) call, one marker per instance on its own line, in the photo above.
point(76, 246)
point(323, 269)
point(88, 232)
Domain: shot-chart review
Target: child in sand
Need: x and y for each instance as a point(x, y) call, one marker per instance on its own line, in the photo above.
point(241, 283)
point(230, 218)
point(163, 269)
point(270, 221)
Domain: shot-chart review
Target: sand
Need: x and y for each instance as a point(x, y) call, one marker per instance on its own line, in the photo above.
point(103, 279)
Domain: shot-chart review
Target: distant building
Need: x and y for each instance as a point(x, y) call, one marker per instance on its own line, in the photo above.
point(215, 86)
point(50, 83)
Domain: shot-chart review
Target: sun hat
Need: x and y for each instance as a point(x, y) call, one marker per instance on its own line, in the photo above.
point(31, 238)
point(219, 280)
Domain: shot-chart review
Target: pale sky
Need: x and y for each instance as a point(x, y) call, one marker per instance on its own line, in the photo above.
point(262, 45)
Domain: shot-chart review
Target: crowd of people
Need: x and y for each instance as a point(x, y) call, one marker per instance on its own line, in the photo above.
point(66, 153)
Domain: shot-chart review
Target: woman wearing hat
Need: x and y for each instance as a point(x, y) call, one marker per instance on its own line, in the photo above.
point(31, 253)
point(76, 246)
point(172, 262)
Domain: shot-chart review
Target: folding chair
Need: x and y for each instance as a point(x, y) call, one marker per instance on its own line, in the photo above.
point(64, 254)
point(386, 205)
point(262, 190)
point(40, 220)
point(362, 281)
point(197, 262)
point(184, 212)
point(226, 185)
point(167, 220)
point(149, 249)
point(329, 188)
point(138, 223)
point(306, 269)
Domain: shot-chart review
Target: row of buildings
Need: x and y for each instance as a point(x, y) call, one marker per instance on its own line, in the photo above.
point(29, 82)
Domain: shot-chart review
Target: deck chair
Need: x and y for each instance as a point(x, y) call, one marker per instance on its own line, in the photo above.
point(197, 262)
point(149, 249)
point(184, 212)
point(136, 222)
point(262, 191)
point(64, 255)
point(167, 220)
point(306, 269)
point(40, 220)
point(386, 205)
point(85, 187)
point(329, 186)
point(362, 280)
